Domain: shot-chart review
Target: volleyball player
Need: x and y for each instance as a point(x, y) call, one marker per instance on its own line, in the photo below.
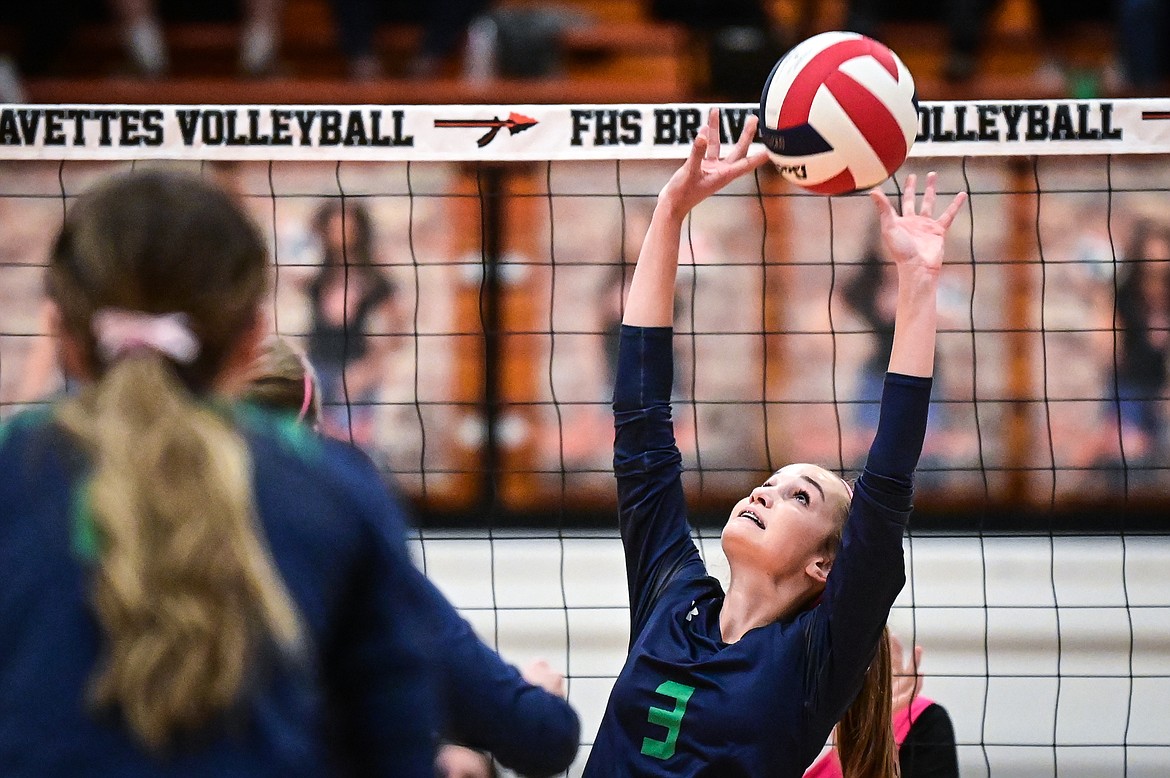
point(521, 718)
point(181, 594)
point(750, 682)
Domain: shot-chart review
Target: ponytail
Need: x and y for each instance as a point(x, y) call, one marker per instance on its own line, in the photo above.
point(865, 734)
point(184, 589)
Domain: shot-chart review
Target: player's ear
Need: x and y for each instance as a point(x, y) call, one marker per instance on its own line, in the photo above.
point(818, 568)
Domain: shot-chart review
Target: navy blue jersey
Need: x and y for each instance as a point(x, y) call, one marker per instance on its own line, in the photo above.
point(688, 704)
point(361, 701)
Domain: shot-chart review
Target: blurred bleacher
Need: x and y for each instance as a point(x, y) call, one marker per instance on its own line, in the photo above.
point(611, 51)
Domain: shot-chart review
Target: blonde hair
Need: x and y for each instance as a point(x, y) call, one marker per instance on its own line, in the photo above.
point(281, 378)
point(184, 589)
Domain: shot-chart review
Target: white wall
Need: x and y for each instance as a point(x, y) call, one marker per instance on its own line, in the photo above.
point(1027, 640)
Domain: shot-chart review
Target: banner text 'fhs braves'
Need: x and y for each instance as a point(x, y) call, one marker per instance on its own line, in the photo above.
point(667, 126)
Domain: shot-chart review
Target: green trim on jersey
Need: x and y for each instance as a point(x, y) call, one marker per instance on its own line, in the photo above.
point(83, 534)
point(83, 531)
point(41, 415)
point(285, 428)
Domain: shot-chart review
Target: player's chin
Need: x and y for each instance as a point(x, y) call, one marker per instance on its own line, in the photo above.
point(741, 539)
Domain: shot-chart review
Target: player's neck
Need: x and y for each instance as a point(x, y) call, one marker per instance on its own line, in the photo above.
point(756, 601)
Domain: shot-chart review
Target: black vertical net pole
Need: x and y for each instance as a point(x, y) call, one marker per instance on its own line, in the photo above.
point(490, 187)
point(491, 192)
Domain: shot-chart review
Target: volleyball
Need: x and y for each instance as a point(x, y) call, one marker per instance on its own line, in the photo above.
point(838, 113)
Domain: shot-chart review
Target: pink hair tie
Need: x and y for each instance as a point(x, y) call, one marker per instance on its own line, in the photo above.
point(119, 332)
point(308, 402)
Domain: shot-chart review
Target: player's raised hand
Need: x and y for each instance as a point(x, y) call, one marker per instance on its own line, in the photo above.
point(705, 172)
point(915, 237)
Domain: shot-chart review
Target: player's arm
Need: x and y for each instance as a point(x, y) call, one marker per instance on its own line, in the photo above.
point(869, 571)
point(650, 302)
point(381, 681)
point(914, 242)
point(929, 749)
point(487, 703)
point(647, 463)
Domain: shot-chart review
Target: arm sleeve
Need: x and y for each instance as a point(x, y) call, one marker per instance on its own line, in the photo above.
point(929, 748)
point(651, 508)
point(380, 682)
point(869, 570)
point(486, 702)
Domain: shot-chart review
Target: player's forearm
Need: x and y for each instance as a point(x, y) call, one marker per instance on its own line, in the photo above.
point(915, 323)
point(650, 302)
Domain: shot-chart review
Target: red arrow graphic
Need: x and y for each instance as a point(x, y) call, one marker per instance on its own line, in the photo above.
point(515, 123)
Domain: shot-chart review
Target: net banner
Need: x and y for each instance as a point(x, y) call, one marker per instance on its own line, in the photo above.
point(536, 132)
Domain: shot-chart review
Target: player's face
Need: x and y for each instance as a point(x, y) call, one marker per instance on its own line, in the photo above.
point(783, 525)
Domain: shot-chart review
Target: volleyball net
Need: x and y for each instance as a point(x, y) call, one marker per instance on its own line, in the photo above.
point(456, 274)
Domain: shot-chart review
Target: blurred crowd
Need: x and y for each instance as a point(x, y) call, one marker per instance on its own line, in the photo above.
point(739, 39)
point(41, 33)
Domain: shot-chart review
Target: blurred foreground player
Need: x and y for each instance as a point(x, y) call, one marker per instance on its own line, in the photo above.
point(519, 717)
point(180, 594)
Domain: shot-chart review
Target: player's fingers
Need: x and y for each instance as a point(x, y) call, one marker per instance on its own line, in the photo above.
point(746, 138)
point(757, 159)
point(698, 150)
point(952, 210)
point(928, 194)
point(908, 195)
point(743, 166)
point(884, 207)
point(713, 134)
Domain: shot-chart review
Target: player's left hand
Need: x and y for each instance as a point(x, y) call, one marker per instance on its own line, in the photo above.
point(915, 238)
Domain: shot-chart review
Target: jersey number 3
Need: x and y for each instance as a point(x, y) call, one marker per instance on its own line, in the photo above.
point(671, 719)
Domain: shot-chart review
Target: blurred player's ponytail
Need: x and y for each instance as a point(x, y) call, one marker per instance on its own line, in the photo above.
point(865, 735)
point(183, 586)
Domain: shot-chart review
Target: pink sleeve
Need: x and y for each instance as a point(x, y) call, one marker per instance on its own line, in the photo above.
point(829, 766)
point(904, 719)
